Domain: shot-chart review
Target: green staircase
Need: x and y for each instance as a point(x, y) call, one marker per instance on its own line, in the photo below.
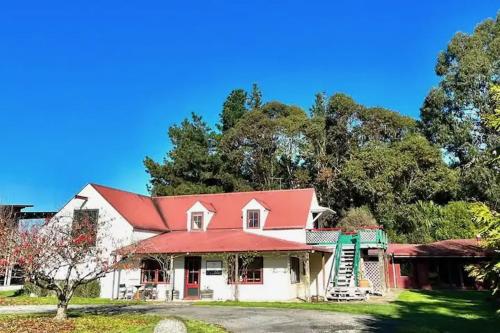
point(343, 283)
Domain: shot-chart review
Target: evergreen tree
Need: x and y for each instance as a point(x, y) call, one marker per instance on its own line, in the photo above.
point(233, 109)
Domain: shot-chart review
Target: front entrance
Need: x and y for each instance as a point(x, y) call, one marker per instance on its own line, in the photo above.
point(192, 274)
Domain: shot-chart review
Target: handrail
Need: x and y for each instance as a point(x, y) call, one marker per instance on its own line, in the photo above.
point(338, 252)
point(357, 254)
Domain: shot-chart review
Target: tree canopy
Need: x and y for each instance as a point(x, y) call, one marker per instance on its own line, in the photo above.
point(415, 177)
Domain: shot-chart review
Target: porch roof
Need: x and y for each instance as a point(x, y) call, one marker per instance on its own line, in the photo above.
point(219, 241)
point(446, 248)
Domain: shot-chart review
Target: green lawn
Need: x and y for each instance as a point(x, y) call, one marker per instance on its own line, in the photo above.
point(94, 323)
point(11, 298)
point(416, 311)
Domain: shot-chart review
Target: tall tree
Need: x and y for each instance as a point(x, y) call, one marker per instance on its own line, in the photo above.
point(191, 166)
point(318, 109)
point(255, 99)
point(453, 114)
point(233, 109)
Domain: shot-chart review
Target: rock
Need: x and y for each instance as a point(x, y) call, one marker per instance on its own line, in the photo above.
point(170, 326)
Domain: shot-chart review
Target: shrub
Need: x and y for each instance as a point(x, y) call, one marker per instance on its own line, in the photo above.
point(89, 290)
point(357, 218)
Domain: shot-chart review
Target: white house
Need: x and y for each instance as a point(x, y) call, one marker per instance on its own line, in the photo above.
point(204, 234)
point(262, 245)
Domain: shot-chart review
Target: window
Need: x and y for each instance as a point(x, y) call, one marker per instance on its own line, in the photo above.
point(84, 226)
point(151, 272)
point(253, 219)
point(249, 271)
point(406, 268)
point(294, 270)
point(197, 221)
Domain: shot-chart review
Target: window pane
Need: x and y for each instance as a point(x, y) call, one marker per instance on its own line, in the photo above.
point(197, 221)
point(294, 270)
point(253, 217)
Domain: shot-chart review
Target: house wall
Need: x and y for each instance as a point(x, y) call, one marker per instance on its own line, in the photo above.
point(114, 232)
point(276, 284)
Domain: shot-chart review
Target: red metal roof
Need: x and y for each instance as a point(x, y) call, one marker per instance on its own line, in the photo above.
point(446, 248)
point(217, 241)
point(287, 208)
point(139, 210)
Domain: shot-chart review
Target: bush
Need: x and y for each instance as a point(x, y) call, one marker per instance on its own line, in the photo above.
point(356, 218)
point(89, 290)
point(30, 288)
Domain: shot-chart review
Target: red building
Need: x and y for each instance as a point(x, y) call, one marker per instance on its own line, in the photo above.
point(435, 265)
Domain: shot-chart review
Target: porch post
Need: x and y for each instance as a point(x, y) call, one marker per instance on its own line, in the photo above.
point(461, 275)
point(236, 277)
point(307, 279)
point(172, 278)
point(323, 282)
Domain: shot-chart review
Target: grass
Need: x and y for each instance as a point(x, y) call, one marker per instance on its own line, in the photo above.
point(415, 311)
point(12, 298)
point(79, 322)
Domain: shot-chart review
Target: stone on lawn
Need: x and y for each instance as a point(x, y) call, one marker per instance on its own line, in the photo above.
point(170, 326)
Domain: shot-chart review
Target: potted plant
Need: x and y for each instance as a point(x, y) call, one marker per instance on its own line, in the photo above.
point(207, 293)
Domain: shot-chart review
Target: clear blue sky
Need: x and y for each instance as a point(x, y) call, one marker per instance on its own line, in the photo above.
point(87, 90)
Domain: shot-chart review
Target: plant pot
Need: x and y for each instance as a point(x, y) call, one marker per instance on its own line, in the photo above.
point(207, 294)
point(364, 283)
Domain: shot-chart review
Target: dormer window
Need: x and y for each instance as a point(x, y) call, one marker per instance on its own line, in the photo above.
point(253, 219)
point(197, 221)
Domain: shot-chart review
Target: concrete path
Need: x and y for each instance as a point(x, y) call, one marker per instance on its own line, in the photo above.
point(243, 320)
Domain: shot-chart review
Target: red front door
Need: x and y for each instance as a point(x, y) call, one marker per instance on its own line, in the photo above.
point(192, 274)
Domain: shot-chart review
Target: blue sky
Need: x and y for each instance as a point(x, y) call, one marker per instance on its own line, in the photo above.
point(88, 89)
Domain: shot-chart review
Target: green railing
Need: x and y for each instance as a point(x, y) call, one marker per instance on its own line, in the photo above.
point(336, 262)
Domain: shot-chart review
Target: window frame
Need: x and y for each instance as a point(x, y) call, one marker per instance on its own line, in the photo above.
point(243, 273)
point(292, 269)
point(156, 273)
point(96, 222)
point(252, 211)
point(197, 214)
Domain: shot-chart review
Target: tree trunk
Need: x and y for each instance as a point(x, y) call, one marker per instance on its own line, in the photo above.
point(62, 309)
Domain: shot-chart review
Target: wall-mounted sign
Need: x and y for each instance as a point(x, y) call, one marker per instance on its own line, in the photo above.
point(214, 267)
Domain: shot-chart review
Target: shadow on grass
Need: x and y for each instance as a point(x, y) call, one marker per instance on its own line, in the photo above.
point(415, 312)
point(439, 312)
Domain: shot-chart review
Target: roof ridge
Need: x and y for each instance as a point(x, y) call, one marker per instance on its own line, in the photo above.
point(229, 193)
point(120, 190)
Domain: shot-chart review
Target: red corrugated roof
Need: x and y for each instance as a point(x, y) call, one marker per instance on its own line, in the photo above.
point(446, 248)
point(217, 241)
point(139, 210)
point(287, 208)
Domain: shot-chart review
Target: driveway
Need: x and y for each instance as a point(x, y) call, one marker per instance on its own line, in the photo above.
point(243, 320)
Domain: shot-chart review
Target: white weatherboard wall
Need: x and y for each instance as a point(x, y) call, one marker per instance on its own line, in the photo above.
point(276, 284)
point(116, 233)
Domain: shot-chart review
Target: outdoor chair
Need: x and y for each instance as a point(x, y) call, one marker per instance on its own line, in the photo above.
point(129, 294)
point(122, 291)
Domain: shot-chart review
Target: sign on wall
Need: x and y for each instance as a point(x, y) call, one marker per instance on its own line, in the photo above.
point(214, 267)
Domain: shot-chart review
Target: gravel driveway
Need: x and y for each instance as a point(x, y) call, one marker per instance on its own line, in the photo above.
point(240, 319)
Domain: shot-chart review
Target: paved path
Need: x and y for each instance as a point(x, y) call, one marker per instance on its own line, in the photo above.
point(243, 320)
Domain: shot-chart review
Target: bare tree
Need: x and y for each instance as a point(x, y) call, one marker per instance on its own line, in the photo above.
point(8, 232)
point(62, 255)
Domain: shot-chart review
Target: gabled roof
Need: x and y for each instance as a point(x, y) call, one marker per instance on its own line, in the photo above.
point(217, 241)
point(446, 248)
point(288, 209)
point(139, 210)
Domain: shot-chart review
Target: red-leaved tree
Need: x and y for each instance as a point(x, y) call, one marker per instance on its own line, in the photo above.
point(65, 253)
